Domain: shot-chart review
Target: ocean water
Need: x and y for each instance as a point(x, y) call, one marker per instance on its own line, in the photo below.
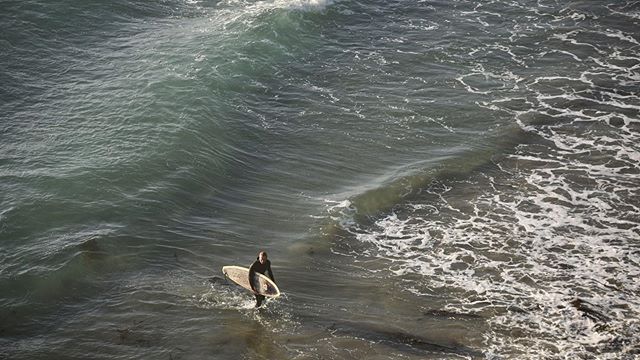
point(431, 179)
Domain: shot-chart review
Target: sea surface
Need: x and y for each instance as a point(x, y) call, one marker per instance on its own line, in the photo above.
point(431, 179)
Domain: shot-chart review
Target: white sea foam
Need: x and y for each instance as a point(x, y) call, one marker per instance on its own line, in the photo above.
point(634, 14)
point(526, 256)
point(283, 4)
point(569, 37)
point(547, 247)
point(568, 53)
point(481, 81)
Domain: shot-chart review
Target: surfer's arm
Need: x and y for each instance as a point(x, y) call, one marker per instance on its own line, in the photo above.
point(252, 272)
point(271, 273)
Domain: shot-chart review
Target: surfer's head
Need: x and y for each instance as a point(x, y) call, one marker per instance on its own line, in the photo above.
point(262, 257)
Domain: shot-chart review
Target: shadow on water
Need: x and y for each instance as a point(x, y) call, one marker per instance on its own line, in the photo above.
point(290, 323)
point(260, 344)
point(247, 338)
point(398, 339)
point(266, 330)
point(31, 297)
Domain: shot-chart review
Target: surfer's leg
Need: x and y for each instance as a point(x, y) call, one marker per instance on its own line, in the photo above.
point(259, 299)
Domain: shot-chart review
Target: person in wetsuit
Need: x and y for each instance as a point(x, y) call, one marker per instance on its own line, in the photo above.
point(261, 265)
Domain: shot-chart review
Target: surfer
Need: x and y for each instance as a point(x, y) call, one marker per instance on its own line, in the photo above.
point(261, 265)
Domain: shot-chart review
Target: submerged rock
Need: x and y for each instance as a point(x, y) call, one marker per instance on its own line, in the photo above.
point(588, 311)
point(450, 314)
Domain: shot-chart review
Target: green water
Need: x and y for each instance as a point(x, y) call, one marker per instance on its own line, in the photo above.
point(430, 179)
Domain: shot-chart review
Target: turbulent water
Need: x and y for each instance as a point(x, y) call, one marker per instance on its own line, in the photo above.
point(431, 179)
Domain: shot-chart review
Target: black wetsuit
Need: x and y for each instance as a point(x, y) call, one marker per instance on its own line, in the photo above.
point(260, 268)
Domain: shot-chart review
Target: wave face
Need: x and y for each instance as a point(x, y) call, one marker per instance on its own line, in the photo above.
point(431, 179)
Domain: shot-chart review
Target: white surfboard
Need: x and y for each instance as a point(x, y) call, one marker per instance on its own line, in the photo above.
point(240, 276)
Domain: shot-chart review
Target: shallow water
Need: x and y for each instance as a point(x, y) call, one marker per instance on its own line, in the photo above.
point(430, 179)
